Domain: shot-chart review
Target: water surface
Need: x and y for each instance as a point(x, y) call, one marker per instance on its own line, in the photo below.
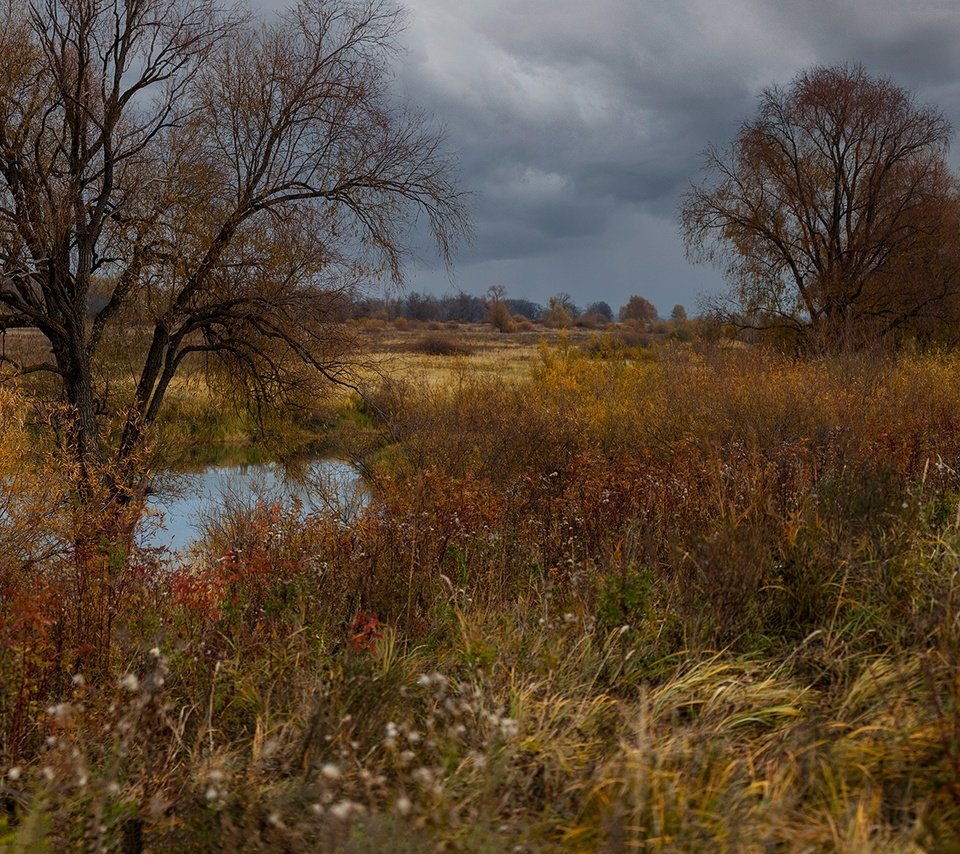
point(184, 501)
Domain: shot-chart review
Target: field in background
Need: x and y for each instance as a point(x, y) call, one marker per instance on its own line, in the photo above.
point(201, 425)
point(437, 353)
point(411, 347)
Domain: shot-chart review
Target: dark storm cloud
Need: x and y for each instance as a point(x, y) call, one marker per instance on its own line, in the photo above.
point(578, 125)
point(917, 45)
point(572, 125)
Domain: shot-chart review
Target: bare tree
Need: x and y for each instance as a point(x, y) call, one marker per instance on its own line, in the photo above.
point(498, 314)
point(220, 183)
point(834, 205)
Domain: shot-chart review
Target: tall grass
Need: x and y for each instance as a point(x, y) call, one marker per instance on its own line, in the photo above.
point(684, 601)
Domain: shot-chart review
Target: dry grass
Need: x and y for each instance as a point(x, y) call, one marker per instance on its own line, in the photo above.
point(398, 354)
point(685, 600)
point(26, 346)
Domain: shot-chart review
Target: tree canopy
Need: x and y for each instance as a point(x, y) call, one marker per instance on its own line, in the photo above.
point(210, 182)
point(833, 205)
point(638, 308)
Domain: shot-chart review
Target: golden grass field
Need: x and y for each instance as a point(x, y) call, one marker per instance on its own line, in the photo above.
point(510, 356)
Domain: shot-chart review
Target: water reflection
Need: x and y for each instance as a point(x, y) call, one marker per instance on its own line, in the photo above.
point(184, 500)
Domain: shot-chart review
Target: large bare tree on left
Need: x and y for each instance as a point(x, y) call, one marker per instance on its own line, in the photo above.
point(214, 181)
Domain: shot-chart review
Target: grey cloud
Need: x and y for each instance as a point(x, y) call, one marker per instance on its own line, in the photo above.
point(579, 125)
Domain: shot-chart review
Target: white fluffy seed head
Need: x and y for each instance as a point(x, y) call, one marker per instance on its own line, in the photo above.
point(342, 810)
point(130, 683)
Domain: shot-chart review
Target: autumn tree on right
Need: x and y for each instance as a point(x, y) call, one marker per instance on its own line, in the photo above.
point(833, 212)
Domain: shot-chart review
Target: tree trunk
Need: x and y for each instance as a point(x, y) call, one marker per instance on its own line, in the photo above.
point(83, 432)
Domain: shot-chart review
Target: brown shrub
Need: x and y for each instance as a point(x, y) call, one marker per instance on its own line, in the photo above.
point(498, 316)
point(440, 344)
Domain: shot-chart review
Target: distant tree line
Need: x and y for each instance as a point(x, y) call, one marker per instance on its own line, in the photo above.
point(462, 307)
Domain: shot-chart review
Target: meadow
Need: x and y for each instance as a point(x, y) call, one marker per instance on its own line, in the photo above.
point(609, 594)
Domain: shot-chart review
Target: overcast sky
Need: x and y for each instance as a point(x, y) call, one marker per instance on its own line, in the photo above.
point(579, 125)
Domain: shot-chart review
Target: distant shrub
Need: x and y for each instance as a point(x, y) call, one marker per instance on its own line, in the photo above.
point(369, 323)
point(498, 316)
point(638, 308)
point(439, 344)
point(590, 321)
point(617, 342)
point(633, 337)
point(558, 316)
point(603, 346)
point(600, 309)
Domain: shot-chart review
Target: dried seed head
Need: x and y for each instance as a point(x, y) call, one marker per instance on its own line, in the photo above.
point(130, 682)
